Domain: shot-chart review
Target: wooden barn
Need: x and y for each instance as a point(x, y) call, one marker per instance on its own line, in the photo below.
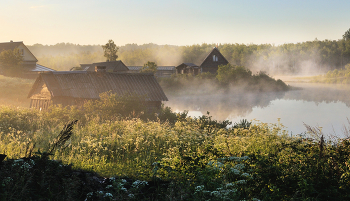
point(209, 64)
point(74, 87)
point(187, 68)
point(212, 61)
point(110, 66)
point(162, 71)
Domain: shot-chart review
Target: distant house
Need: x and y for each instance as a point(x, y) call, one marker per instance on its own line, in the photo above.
point(187, 68)
point(162, 71)
point(74, 87)
point(29, 64)
point(111, 66)
point(212, 61)
point(209, 64)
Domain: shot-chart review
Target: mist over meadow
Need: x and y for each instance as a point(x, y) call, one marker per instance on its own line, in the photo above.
point(305, 58)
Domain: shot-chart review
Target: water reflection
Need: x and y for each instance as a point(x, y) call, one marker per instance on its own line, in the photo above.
point(223, 106)
point(315, 104)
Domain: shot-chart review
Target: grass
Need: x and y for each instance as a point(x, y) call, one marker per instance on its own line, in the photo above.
point(14, 91)
point(114, 156)
point(192, 159)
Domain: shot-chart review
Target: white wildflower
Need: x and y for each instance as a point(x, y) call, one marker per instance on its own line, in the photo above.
point(108, 195)
point(239, 166)
point(246, 175)
point(229, 185)
point(235, 171)
point(241, 182)
point(199, 188)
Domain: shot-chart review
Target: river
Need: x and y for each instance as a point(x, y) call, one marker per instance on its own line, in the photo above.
point(317, 105)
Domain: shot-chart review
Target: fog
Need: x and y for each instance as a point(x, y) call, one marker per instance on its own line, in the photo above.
point(326, 106)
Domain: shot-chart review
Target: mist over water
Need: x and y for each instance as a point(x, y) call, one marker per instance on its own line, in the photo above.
point(317, 105)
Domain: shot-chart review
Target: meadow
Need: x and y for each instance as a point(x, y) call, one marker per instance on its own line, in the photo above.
point(113, 152)
point(165, 157)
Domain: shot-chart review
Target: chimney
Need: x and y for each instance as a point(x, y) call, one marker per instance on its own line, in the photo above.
point(100, 69)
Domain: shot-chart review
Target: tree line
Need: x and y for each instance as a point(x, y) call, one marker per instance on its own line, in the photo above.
point(290, 58)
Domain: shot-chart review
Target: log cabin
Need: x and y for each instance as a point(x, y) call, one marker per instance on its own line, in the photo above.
point(69, 88)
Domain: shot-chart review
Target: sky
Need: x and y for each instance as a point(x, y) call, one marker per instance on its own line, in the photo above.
point(172, 22)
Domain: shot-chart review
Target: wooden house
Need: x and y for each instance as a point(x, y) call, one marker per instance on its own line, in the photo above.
point(209, 64)
point(212, 61)
point(29, 63)
point(187, 68)
point(111, 66)
point(74, 87)
point(162, 71)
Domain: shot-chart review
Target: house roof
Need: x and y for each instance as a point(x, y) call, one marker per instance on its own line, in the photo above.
point(138, 68)
point(187, 64)
point(12, 45)
point(214, 51)
point(89, 85)
point(40, 68)
point(9, 45)
point(110, 65)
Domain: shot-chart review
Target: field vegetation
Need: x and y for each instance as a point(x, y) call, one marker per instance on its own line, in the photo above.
point(337, 76)
point(132, 155)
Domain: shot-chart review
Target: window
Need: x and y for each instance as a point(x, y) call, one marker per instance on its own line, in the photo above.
point(22, 51)
point(215, 58)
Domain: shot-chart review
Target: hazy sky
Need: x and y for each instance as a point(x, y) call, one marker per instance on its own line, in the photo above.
point(180, 22)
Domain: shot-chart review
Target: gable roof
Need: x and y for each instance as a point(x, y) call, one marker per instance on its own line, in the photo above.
point(89, 85)
point(138, 68)
point(40, 68)
point(187, 64)
point(216, 52)
point(12, 45)
point(110, 66)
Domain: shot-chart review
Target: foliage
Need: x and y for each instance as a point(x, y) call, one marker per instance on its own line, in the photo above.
point(337, 76)
point(299, 58)
point(110, 51)
point(189, 159)
point(230, 75)
point(149, 67)
point(10, 61)
point(346, 35)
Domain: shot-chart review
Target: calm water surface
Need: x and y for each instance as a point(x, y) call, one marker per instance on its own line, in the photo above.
point(326, 106)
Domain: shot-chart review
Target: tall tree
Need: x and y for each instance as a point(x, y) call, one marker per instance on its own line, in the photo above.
point(346, 36)
point(10, 61)
point(149, 67)
point(110, 51)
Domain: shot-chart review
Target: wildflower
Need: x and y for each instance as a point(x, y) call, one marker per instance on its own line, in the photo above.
point(246, 175)
point(139, 183)
point(199, 188)
point(229, 185)
point(235, 171)
point(241, 182)
point(239, 166)
point(108, 195)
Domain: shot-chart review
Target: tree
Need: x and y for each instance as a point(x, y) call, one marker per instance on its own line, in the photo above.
point(110, 51)
point(346, 36)
point(10, 61)
point(149, 67)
